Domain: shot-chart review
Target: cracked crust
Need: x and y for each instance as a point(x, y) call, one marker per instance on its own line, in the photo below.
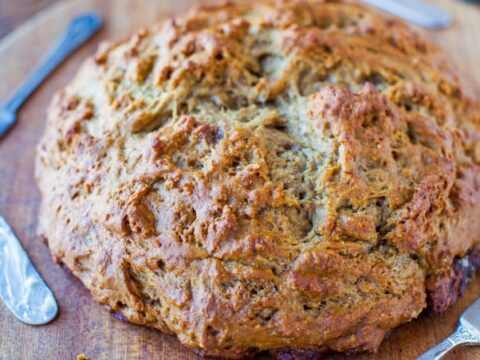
point(292, 177)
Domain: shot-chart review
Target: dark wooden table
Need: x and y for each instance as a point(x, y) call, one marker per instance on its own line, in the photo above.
point(15, 12)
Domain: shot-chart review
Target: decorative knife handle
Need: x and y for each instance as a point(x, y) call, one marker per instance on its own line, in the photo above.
point(461, 336)
point(80, 29)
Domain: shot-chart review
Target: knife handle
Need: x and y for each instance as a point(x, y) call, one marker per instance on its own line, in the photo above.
point(80, 29)
point(461, 336)
point(415, 11)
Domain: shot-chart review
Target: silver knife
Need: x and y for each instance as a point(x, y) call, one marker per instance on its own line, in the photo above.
point(21, 288)
point(415, 11)
point(467, 333)
point(80, 29)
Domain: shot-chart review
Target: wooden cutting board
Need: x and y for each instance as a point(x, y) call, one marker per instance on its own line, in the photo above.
point(84, 326)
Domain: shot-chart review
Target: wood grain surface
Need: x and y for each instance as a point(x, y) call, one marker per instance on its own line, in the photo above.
point(84, 326)
point(15, 12)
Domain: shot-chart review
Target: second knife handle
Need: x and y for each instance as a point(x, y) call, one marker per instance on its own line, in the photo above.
point(459, 337)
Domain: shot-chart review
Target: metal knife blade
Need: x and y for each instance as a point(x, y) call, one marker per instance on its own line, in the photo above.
point(21, 288)
point(415, 11)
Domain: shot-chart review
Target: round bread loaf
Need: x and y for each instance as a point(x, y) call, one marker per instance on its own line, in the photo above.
point(290, 176)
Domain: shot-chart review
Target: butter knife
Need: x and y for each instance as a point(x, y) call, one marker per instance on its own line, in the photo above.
point(80, 29)
point(21, 288)
point(467, 333)
point(415, 11)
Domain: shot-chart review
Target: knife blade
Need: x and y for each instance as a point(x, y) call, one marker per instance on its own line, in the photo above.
point(415, 11)
point(22, 289)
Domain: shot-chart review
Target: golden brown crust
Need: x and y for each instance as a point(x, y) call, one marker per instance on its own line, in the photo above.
point(249, 177)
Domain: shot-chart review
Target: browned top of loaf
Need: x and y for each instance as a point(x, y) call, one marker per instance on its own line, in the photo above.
point(266, 175)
